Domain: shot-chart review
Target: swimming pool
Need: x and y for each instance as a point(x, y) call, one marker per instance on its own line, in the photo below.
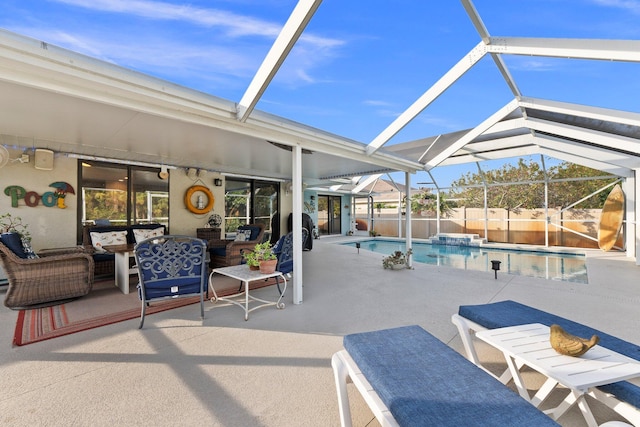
point(565, 267)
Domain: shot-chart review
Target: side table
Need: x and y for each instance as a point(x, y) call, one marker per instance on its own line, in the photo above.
point(246, 276)
point(208, 233)
point(122, 254)
point(529, 345)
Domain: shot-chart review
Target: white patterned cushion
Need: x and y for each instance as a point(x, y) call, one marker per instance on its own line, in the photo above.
point(141, 234)
point(26, 245)
point(243, 235)
point(99, 240)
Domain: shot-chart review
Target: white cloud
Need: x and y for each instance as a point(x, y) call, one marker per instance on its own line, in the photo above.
point(73, 43)
point(532, 64)
point(632, 6)
point(175, 60)
point(235, 25)
point(223, 55)
point(377, 103)
point(442, 122)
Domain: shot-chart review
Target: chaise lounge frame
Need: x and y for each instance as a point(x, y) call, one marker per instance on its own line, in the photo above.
point(345, 369)
point(467, 329)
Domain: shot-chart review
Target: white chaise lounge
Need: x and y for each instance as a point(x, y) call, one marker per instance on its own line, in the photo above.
point(410, 378)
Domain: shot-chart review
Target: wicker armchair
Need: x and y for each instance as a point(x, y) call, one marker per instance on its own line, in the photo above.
point(55, 276)
point(224, 253)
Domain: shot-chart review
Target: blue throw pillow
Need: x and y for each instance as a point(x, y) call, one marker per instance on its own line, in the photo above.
point(14, 242)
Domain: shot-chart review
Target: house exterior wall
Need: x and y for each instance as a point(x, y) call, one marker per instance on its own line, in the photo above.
point(49, 227)
point(53, 227)
point(181, 220)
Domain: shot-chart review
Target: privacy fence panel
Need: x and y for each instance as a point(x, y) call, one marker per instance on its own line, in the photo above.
point(571, 228)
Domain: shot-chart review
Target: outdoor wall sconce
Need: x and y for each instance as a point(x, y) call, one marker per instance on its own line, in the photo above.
point(217, 182)
point(164, 172)
point(358, 246)
point(495, 266)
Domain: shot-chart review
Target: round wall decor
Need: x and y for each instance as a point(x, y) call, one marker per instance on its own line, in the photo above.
point(199, 208)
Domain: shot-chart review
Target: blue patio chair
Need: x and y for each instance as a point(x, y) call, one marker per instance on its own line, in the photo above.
point(170, 267)
point(284, 251)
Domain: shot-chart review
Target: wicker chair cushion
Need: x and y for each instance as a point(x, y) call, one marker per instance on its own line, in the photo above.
point(14, 242)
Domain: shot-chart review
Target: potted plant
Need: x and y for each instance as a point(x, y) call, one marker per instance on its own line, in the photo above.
point(14, 224)
point(251, 259)
point(266, 257)
point(397, 260)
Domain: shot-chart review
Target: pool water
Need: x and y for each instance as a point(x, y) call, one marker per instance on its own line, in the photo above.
point(566, 267)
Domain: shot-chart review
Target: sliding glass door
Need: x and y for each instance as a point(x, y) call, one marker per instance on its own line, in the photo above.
point(122, 194)
point(329, 215)
point(250, 202)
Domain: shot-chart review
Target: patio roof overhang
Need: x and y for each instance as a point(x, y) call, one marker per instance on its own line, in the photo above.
point(69, 103)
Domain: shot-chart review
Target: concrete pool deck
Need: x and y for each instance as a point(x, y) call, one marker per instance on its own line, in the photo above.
point(274, 370)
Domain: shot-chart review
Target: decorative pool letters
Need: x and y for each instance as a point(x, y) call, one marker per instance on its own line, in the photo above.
point(32, 199)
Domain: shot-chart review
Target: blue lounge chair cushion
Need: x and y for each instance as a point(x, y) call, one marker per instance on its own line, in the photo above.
point(424, 382)
point(510, 313)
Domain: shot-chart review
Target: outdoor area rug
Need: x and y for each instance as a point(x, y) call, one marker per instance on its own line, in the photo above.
point(104, 305)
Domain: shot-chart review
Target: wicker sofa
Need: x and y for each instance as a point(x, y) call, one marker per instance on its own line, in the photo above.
point(53, 277)
point(105, 262)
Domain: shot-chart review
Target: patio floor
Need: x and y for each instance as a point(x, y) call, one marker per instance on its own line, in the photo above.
point(274, 369)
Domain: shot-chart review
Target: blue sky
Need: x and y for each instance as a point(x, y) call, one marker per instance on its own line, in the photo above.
point(358, 64)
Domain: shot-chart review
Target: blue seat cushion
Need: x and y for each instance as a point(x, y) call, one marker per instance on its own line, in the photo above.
point(14, 242)
point(170, 288)
point(424, 382)
point(510, 313)
point(218, 251)
point(103, 257)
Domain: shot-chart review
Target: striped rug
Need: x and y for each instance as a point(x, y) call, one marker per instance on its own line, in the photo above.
point(103, 306)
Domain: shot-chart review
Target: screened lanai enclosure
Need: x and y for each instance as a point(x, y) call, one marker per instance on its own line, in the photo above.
point(543, 202)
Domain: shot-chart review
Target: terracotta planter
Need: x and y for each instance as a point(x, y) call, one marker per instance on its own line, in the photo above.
point(254, 267)
point(268, 267)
